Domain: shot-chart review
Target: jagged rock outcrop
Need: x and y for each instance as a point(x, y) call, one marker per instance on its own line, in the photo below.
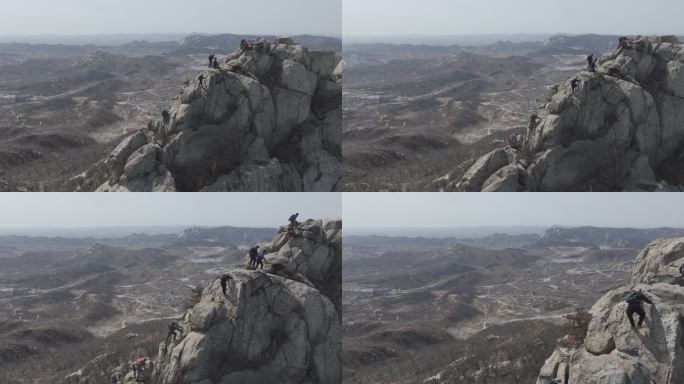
point(273, 325)
point(268, 120)
point(613, 352)
point(622, 128)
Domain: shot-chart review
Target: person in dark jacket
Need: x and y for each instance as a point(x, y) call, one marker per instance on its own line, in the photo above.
point(253, 256)
point(260, 260)
point(224, 280)
point(635, 300)
point(173, 327)
point(293, 220)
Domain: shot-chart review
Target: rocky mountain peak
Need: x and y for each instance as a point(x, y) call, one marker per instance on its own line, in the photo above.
point(613, 351)
point(268, 119)
point(280, 324)
point(616, 129)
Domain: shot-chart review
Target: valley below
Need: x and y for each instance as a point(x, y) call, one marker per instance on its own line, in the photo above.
point(478, 311)
point(75, 303)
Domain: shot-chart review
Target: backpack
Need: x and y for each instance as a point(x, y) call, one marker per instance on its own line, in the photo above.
point(632, 298)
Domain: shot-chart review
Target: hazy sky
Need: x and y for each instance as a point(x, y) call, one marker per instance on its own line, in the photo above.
point(186, 209)
point(34, 17)
point(449, 17)
point(365, 210)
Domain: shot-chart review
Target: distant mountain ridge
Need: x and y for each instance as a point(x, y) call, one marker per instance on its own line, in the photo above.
point(587, 236)
point(190, 44)
point(227, 236)
point(557, 44)
point(606, 237)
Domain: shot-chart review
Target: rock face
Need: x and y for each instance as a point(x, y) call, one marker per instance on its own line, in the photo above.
point(275, 325)
point(268, 120)
point(620, 129)
point(613, 352)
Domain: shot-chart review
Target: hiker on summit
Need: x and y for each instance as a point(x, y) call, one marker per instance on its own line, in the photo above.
point(591, 63)
point(224, 280)
point(635, 301)
point(253, 252)
point(216, 64)
point(201, 79)
point(293, 220)
point(260, 259)
point(173, 327)
point(211, 59)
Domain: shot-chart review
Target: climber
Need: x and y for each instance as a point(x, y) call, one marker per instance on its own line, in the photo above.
point(211, 59)
point(514, 141)
point(166, 116)
point(534, 121)
point(591, 63)
point(574, 83)
point(139, 368)
point(260, 259)
point(243, 44)
point(216, 64)
point(635, 301)
point(201, 79)
point(293, 220)
point(224, 280)
point(253, 252)
point(173, 327)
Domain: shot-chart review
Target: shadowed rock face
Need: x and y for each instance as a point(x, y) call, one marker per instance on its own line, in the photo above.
point(268, 327)
point(268, 120)
point(613, 352)
point(620, 129)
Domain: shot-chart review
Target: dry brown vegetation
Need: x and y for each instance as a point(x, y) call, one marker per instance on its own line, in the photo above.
point(578, 326)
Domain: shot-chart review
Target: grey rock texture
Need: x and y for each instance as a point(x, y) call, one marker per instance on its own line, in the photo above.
point(268, 120)
point(620, 127)
point(273, 326)
point(613, 352)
